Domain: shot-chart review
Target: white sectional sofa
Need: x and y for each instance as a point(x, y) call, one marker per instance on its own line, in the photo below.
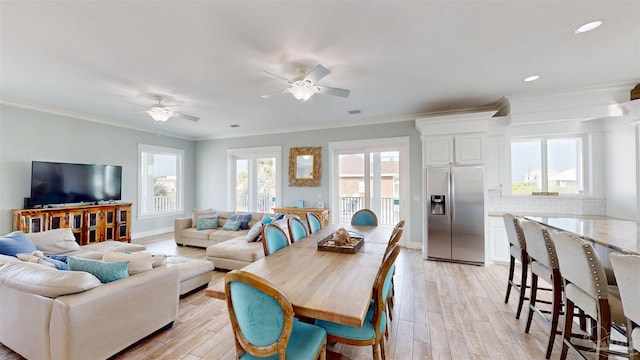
point(54, 314)
point(186, 228)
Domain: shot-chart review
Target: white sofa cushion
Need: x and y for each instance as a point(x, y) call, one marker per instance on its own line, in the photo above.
point(237, 249)
point(57, 241)
point(138, 261)
point(6, 259)
point(45, 281)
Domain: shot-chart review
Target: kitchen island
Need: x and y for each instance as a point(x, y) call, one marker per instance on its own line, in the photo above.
point(607, 234)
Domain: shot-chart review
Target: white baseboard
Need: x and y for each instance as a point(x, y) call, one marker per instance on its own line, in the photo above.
point(153, 232)
point(413, 245)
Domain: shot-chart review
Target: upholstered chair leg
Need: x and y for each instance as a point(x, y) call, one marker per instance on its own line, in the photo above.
point(583, 320)
point(523, 288)
point(376, 353)
point(568, 322)
point(384, 355)
point(512, 264)
point(604, 330)
point(555, 313)
point(633, 354)
point(532, 300)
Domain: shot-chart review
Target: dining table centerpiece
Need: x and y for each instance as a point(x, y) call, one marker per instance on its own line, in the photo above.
point(343, 241)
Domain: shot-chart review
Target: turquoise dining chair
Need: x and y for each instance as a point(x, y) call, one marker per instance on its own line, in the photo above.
point(297, 230)
point(273, 239)
point(263, 323)
point(373, 330)
point(364, 217)
point(314, 222)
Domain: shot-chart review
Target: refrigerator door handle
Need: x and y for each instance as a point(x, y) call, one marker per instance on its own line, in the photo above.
point(452, 196)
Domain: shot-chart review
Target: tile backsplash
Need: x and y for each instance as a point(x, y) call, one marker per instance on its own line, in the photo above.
point(545, 204)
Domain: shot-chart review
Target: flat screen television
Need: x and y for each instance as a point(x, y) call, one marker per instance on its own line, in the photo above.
point(64, 183)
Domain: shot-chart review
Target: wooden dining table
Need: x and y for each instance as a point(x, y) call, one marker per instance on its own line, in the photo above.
point(324, 285)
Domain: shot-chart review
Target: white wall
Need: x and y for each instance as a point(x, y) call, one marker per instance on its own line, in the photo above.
point(27, 135)
point(620, 162)
point(211, 178)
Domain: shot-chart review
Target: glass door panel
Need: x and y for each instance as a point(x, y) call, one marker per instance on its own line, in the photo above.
point(266, 179)
point(242, 185)
point(385, 180)
point(351, 185)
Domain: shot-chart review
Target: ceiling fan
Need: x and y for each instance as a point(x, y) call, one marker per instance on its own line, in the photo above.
point(162, 113)
point(305, 86)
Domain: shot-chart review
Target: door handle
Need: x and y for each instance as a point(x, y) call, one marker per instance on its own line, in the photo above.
point(452, 196)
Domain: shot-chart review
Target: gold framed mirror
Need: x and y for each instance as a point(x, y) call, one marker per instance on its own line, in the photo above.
point(304, 166)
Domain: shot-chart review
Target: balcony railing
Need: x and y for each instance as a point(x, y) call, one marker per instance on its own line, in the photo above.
point(164, 204)
point(265, 203)
point(389, 209)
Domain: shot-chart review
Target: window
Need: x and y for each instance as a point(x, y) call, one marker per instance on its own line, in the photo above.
point(255, 179)
point(547, 164)
point(160, 180)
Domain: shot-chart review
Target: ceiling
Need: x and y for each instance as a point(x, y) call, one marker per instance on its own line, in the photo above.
point(102, 60)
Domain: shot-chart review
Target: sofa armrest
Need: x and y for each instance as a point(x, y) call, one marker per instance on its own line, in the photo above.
point(179, 225)
point(102, 321)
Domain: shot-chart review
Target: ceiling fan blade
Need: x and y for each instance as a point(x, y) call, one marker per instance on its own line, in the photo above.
point(333, 91)
point(185, 116)
point(275, 76)
point(275, 93)
point(317, 73)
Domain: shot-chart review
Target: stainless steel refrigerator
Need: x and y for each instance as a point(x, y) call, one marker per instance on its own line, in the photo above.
point(455, 214)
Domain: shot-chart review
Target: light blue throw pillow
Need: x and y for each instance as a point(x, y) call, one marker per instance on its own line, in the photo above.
point(104, 271)
point(231, 225)
point(16, 243)
point(267, 220)
point(207, 223)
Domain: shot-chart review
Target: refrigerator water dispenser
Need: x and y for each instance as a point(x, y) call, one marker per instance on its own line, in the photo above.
point(437, 205)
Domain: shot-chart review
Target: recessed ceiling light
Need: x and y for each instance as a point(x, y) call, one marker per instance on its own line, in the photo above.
point(234, 125)
point(354, 112)
point(588, 27)
point(532, 78)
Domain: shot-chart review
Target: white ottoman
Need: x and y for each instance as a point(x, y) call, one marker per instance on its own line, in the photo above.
point(193, 273)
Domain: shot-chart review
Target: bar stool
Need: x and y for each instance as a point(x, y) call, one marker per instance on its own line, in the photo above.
point(626, 269)
point(518, 251)
point(585, 287)
point(544, 265)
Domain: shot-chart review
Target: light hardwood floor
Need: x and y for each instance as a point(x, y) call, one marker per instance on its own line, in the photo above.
point(442, 311)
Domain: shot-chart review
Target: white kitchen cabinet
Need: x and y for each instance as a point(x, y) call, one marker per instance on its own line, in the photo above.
point(439, 150)
point(454, 149)
point(495, 161)
point(498, 241)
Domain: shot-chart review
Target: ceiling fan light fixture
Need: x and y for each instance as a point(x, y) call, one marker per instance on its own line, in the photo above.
point(160, 114)
point(302, 90)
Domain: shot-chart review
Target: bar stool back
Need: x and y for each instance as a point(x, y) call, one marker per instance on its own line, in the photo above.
point(518, 251)
point(585, 287)
point(626, 269)
point(544, 265)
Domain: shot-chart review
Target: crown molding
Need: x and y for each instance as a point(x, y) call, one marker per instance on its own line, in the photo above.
point(80, 116)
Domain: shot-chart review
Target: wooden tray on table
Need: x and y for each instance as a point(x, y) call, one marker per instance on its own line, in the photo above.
point(327, 244)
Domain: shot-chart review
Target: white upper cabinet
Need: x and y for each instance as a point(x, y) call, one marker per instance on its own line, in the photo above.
point(439, 150)
point(454, 149)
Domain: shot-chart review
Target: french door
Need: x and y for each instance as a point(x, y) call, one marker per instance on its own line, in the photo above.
point(370, 174)
point(254, 181)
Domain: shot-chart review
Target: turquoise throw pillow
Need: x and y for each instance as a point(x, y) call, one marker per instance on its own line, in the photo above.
point(104, 271)
point(268, 220)
point(207, 223)
point(231, 225)
point(16, 243)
